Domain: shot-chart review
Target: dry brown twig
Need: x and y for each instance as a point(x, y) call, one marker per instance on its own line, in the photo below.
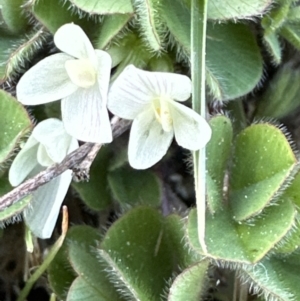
point(79, 161)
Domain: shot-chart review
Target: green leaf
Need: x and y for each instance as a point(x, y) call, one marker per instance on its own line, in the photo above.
point(191, 284)
point(82, 290)
point(11, 213)
point(236, 9)
point(104, 7)
point(60, 272)
point(227, 78)
point(95, 193)
point(294, 14)
point(276, 278)
point(277, 16)
point(123, 50)
point(262, 162)
point(15, 51)
point(238, 116)
point(162, 63)
point(271, 23)
point(92, 271)
point(240, 242)
point(291, 242)
point(55, 13)
point(293, 191)
point(41, 269)
point(110, 28)
point(5, 186)
point(137, 249)
point(291, 32)
point(183, 255)
point(273, 46)
point(218, 151)
point(177, 17)
point(241, 71)
point(127, 50)
point(5, 52)
point(132, 187)
point(14, 124)
point(149, 22)
point(282, 95)
point(120, 156)
point(15, 20)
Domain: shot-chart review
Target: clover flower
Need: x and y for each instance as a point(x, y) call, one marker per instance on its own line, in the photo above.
point(80, 78)
point(148, 98)
point(48, 144)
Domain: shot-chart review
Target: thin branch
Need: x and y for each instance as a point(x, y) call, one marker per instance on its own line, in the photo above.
point(80, 158)
point(82, 171)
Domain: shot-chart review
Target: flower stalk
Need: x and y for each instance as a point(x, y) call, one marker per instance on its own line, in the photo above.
point(198, 48)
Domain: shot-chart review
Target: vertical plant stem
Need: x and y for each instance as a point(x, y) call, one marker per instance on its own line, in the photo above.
point(198, 48)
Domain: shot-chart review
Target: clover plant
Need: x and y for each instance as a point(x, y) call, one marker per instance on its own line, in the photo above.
point(92, 94)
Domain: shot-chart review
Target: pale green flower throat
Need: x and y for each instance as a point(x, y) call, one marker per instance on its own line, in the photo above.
point(81, 72)
point(162, 113)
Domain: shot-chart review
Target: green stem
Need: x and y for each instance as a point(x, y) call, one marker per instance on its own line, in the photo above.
point(198, 48)
point(42, 268)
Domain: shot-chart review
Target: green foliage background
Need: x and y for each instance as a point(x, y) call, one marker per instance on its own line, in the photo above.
point(140, 241)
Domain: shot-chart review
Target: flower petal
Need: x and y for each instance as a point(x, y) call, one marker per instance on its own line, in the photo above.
point(46, 81)
point(129, 95)
point(71, 39)
point(85, 116)
point(148, 142)
point(52, 135)
point(24, 163)
point(191, 130)
point(172, 85)
point(84, 113)
point(43, 157)
point(61, 147)
point(103, 72)
point(136, 88)
point(72, 145)
point(48, 128)
point(42, 214)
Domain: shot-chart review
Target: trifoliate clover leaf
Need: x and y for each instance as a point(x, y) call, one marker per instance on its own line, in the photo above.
point(48, 144)
point(80, 78)
point(150, 99)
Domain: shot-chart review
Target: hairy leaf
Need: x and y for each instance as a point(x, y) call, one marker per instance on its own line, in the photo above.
point(14, 124)
point(262, 163)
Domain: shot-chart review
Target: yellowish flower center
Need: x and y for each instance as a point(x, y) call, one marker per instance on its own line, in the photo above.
point(81, 72)
point(162, 113)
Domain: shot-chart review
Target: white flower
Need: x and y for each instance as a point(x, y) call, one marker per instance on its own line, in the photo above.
point(80, 77)
point(48, 144)
point(149, 99)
